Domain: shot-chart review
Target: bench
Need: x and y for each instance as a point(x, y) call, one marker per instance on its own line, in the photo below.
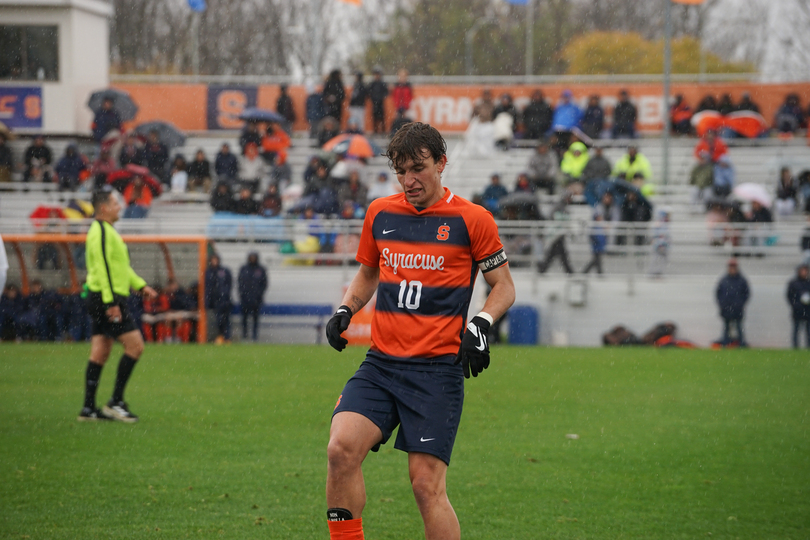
point(295, 315)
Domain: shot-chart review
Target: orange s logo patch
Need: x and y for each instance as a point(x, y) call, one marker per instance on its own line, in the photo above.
point(444, 233)
point(338, 401)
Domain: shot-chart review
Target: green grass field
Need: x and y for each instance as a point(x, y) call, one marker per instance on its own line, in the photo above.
point(231, 444)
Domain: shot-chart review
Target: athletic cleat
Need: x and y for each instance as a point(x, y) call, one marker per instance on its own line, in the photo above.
point(92, 415)
point(119, 411)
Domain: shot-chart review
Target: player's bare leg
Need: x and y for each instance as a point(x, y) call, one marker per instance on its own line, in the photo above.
point(428, 480)
point(351, 437)
point(100, 348)
point(133, 343)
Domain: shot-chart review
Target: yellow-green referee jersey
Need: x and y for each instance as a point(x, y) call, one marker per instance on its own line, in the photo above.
point(107, 258)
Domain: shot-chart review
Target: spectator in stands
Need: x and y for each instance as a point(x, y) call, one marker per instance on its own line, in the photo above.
point(315, 109)
point(131, 152)
point(723, 177)
point(661, 240)
point(598, 166)
point(317, 181)
point(353, 190)
point(732, 294)
point(402, 94)
point(566, 117)
point(252, 286)
point(789, 117)
point(506, 105)
point(701, 178)
point(199, 173)
point(137, 198)
point(246, 205)
point(226, 165)
point(218, 284)
point(523, 184)
point(572, 165)
point(786, 194)
point(608, 208)
point(275, 144)
point(798, 296)
point(252, 168)
point(631, 163)
point(708, 103)
point(494, 192)
point(105, 120)
point(804, 242)
point(544, 170)
point(503, 130)
point(271, 201)
point(725, 105)
point(746, 104)
point(357, 102)
point(378, 91)
point(37, 161)
point(484, 107)
point(156, 156)
point(554, 234)
point(284, 105)
point(78, 318)
point(179, 176)
point(70, 168)
point(250, 135)
point(103, 165)
point(712, 145)
point(634, 209)
point(328, 129)
point(333, 95)
point(6, 160)
point(593, 119)
point(383, 187)
point(537, 116)
point(680, 117)
point(400, 120)
point(221, 198)
point(598, 240)
point(11, 307)
point(625, 116)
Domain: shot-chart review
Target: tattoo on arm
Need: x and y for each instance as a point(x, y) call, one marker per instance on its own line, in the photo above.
point(357, 304)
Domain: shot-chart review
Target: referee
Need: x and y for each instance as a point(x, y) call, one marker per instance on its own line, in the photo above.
point(109, 280)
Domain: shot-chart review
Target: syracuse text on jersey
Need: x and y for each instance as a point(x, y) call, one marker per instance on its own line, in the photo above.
point(413, 260)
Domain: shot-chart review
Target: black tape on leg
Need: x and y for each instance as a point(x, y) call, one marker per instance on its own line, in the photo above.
point(338, 514)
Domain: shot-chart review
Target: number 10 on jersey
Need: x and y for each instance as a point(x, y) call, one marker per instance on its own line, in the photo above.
point(413, 296)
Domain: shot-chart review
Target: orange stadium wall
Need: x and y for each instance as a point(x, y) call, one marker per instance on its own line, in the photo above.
point(199, 107)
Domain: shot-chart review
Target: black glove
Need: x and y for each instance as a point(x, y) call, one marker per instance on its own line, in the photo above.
point(336, 326)
point(474, 351)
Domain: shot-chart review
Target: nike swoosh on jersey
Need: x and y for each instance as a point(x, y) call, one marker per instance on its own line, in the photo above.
point(422, 439)
point(386, 232)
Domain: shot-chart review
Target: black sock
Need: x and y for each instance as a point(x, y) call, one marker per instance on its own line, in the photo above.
point(91, 379)
point(125, 367)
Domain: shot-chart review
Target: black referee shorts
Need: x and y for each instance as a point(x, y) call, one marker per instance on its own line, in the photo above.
point(101, 324)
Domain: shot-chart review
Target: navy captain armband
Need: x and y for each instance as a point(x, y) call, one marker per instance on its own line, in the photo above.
point(493, 261)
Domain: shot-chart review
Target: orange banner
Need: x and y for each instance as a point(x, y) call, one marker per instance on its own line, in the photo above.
point(449, 107)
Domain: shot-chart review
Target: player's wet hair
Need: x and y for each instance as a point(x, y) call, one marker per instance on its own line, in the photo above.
point(411, 141)
point(101, 196)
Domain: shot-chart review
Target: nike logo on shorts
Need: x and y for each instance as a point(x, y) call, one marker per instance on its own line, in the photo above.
point(422, 439)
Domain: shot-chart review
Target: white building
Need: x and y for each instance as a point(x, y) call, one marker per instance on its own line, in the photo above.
point(53, 55)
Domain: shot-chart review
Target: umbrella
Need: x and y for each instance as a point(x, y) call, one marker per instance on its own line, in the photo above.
point(749, 191)
point(352, 145)
point(747, 123)
point(47, 212)
point(254, 114)
point(122, 102)
point(168, 134)
point(121, 178)
point(623, 187)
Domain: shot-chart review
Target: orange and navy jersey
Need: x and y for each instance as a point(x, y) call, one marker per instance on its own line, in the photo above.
point(428, 261)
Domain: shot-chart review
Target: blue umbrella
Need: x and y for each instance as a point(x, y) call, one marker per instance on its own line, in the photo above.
point(122, 102)
point(254, 114)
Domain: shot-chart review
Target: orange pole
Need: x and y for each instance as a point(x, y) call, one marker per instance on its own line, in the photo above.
point(23, 269)
point(74, 279)
point(202, 317)
point(168, 258)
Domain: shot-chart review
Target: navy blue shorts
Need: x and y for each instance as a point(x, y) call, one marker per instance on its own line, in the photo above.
point(424, 401)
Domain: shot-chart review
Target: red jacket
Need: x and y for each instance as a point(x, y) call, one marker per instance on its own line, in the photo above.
point(402, 96)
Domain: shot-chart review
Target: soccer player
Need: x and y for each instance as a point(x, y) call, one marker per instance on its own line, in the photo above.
point(421, 251)
point(109, 280)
